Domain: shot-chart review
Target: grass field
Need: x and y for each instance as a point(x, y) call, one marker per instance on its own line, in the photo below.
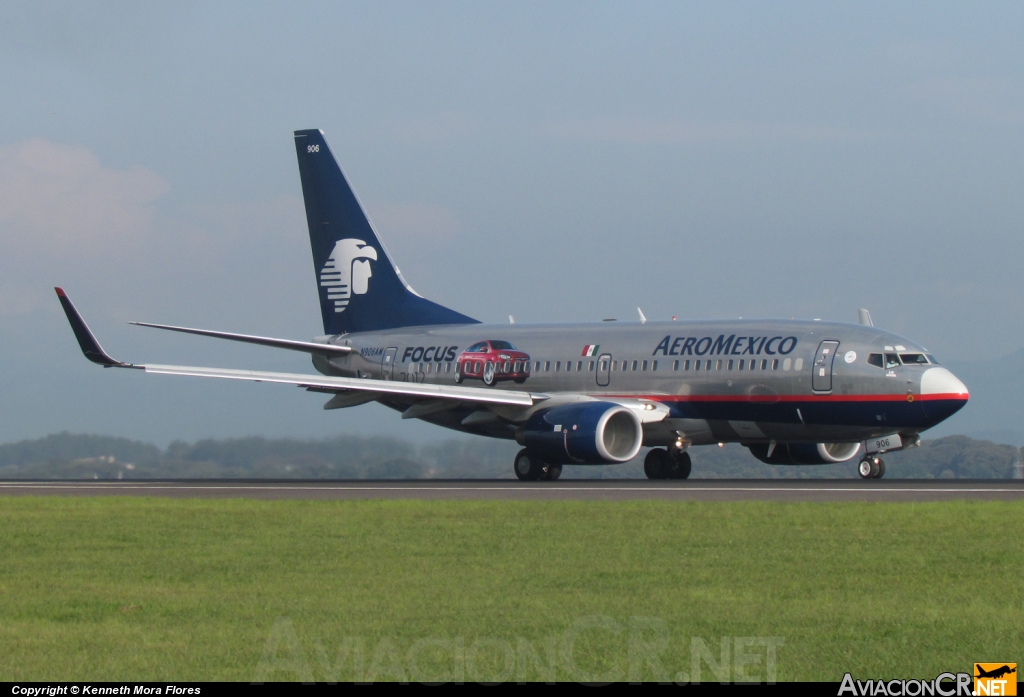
point(160, 589)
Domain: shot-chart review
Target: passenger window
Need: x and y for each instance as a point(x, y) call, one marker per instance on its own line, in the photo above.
point(675, 365)
point(547, 366)
point(798, 364)
point(913, 359)
point(427, 367)
point(775, 364)
point(558, 366)
point(686, 365)
point(764, 364)
point(644, 366)
point(875, 359)
point(568, 366)
point(696, 365)
point(730, 364)
point(891, 360)
point(634, 366)
point(707, 365)
point(591, 367)
point(654, 365)
point(787, 364)
point(718, 364)
point(579, 365)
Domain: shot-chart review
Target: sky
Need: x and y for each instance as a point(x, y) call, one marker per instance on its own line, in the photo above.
point(555, 161)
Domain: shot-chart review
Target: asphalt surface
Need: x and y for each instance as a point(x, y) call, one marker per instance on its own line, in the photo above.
point(609, 490)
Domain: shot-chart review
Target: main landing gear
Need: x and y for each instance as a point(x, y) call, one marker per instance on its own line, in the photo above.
point(530, 468)
point(871, 467)
point(660, 464)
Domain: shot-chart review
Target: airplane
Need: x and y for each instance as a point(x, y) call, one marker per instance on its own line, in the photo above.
point(995, 672)
point(794, 392)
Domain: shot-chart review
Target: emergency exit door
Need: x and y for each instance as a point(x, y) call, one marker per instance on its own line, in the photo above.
point(604, 370)
point(387, 364)
point(821, 377)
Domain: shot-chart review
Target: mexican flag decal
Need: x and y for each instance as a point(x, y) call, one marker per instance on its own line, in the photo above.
point(590, 350)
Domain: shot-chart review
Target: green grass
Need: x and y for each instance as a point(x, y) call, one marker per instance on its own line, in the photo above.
point(157, 589)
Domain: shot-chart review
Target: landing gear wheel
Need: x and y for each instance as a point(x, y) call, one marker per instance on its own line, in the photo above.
point(680, 466)
point(879, 469)
point(866, 468)
point(553, 472)
point(528, 467)
point(490, 374)
point(458, 373)
point(657, 464)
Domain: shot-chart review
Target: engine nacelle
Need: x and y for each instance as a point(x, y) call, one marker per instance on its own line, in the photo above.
point(592, 433)
point(805, 453)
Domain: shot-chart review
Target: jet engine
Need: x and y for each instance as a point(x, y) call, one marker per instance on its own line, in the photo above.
point(594, 433)
point(805, 453)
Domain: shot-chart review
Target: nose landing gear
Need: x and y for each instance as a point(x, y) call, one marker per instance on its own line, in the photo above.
point(871, 467)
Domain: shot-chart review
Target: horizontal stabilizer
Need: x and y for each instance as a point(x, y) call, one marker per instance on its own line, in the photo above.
point(304, 346)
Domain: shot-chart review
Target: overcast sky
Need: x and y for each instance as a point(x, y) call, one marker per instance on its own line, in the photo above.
point(554, 161)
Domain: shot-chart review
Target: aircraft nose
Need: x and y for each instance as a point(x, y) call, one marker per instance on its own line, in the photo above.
point(942, 394)
point(939, 381)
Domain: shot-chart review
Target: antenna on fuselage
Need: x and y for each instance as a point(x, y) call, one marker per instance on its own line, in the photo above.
point(865, 317)
point(643, 320)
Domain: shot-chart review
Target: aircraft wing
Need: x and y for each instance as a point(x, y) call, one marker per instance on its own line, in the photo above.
point(326, 383)
point(95, 353)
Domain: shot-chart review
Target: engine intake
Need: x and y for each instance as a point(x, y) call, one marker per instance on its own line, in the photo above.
point(587, 433)
point(805, 453)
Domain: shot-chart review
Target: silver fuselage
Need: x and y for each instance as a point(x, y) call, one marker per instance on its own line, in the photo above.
point(748, 381)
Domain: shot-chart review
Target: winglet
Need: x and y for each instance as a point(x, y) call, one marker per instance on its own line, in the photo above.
point(864, 317)
point(90, 347)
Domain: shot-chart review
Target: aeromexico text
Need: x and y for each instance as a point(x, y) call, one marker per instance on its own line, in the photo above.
point(726, 346)
point(721, 345)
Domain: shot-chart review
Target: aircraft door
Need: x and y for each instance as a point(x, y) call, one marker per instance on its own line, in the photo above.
point(821, 377)
point(387, 364)
point(604, 369)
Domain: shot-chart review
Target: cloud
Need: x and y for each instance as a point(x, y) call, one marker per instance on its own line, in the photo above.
point(59, 199)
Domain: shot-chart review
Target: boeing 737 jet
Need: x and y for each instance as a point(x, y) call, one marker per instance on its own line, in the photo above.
point(793, 392)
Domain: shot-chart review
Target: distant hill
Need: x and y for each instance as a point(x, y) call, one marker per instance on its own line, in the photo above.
point(73, 456)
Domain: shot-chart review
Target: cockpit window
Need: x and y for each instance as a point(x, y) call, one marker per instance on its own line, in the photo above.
point(502, 346)
point(875, 359)
point(891, 360)
point(932, 359)
point(913, 359)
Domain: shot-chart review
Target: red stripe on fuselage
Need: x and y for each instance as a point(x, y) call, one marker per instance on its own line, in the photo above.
point(774, 399)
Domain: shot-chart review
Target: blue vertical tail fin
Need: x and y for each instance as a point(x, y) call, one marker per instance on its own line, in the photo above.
point(359, 286)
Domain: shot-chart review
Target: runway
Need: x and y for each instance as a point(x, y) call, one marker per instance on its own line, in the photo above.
point(907, 490)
